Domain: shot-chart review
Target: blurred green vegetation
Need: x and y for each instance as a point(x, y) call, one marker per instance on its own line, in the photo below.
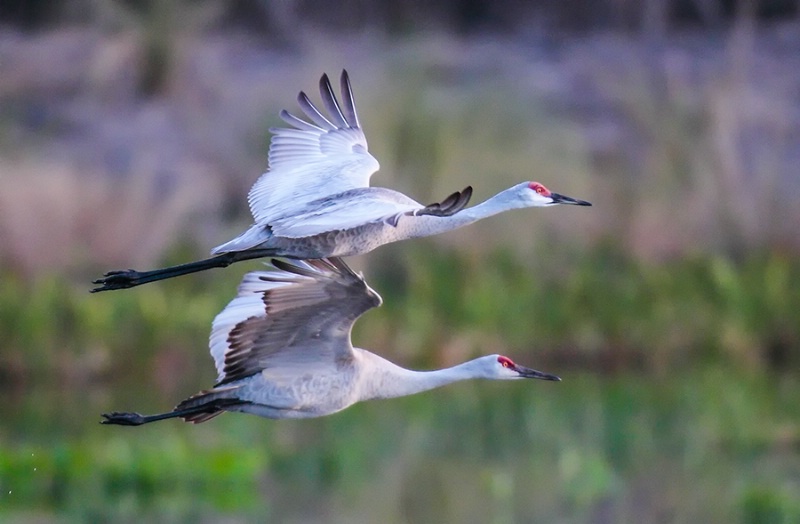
point(608, 311)
point(696, 446)
point(633, 432)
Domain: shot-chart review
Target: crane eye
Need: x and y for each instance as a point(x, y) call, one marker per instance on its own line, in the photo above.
point(539, 188)
point(505, 362)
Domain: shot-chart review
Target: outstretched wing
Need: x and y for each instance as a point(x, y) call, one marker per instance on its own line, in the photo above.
point(315, 159)
point(360, 208)
point(298, 316)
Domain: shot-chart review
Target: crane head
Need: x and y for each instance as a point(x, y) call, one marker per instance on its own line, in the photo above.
point(541, 196)
point(505, 368)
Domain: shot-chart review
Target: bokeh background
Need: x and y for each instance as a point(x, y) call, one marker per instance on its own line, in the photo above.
point(130, 132)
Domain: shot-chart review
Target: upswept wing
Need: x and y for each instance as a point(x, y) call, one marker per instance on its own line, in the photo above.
point(340, 214)
point(315, 159)
point(297, 317)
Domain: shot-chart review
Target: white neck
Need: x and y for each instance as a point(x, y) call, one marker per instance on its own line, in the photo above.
point(383, 379)
point(426, 225)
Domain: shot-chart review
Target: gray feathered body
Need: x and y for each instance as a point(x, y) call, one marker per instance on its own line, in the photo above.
point(304, 395)
point(315, 393)
point(305, 234)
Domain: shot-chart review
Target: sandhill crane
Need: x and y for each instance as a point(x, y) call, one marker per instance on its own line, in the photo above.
point(282, 350)
point(315, 200)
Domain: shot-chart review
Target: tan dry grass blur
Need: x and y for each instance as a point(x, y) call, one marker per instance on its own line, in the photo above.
point(686, 147)
point(55, 218)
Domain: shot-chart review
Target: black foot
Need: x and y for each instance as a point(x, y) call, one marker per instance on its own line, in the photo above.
point(122, 279)
point(123, 419)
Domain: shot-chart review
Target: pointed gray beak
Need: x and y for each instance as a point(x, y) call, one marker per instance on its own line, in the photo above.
point(561, 199)
point(532, 373)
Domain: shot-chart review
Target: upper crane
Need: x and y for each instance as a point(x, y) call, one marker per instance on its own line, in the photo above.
point(315, 200)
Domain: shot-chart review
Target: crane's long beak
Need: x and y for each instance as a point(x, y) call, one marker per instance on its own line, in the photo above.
point(532, 373)
point(562, 199)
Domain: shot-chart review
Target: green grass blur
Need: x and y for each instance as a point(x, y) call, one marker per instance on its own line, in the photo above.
point(677, 391)
point(704, 446)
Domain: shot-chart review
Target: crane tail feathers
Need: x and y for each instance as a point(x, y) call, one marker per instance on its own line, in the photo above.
point(207, 404)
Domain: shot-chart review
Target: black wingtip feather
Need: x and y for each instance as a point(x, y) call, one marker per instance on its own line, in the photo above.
point(333, 264)
point(349, 100)
point(464, 198)
point(313, 113)
point(449, 206)
point(330, 102)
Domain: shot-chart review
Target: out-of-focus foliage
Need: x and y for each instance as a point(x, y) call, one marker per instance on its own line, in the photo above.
point(610, 314)
point(698, 445)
